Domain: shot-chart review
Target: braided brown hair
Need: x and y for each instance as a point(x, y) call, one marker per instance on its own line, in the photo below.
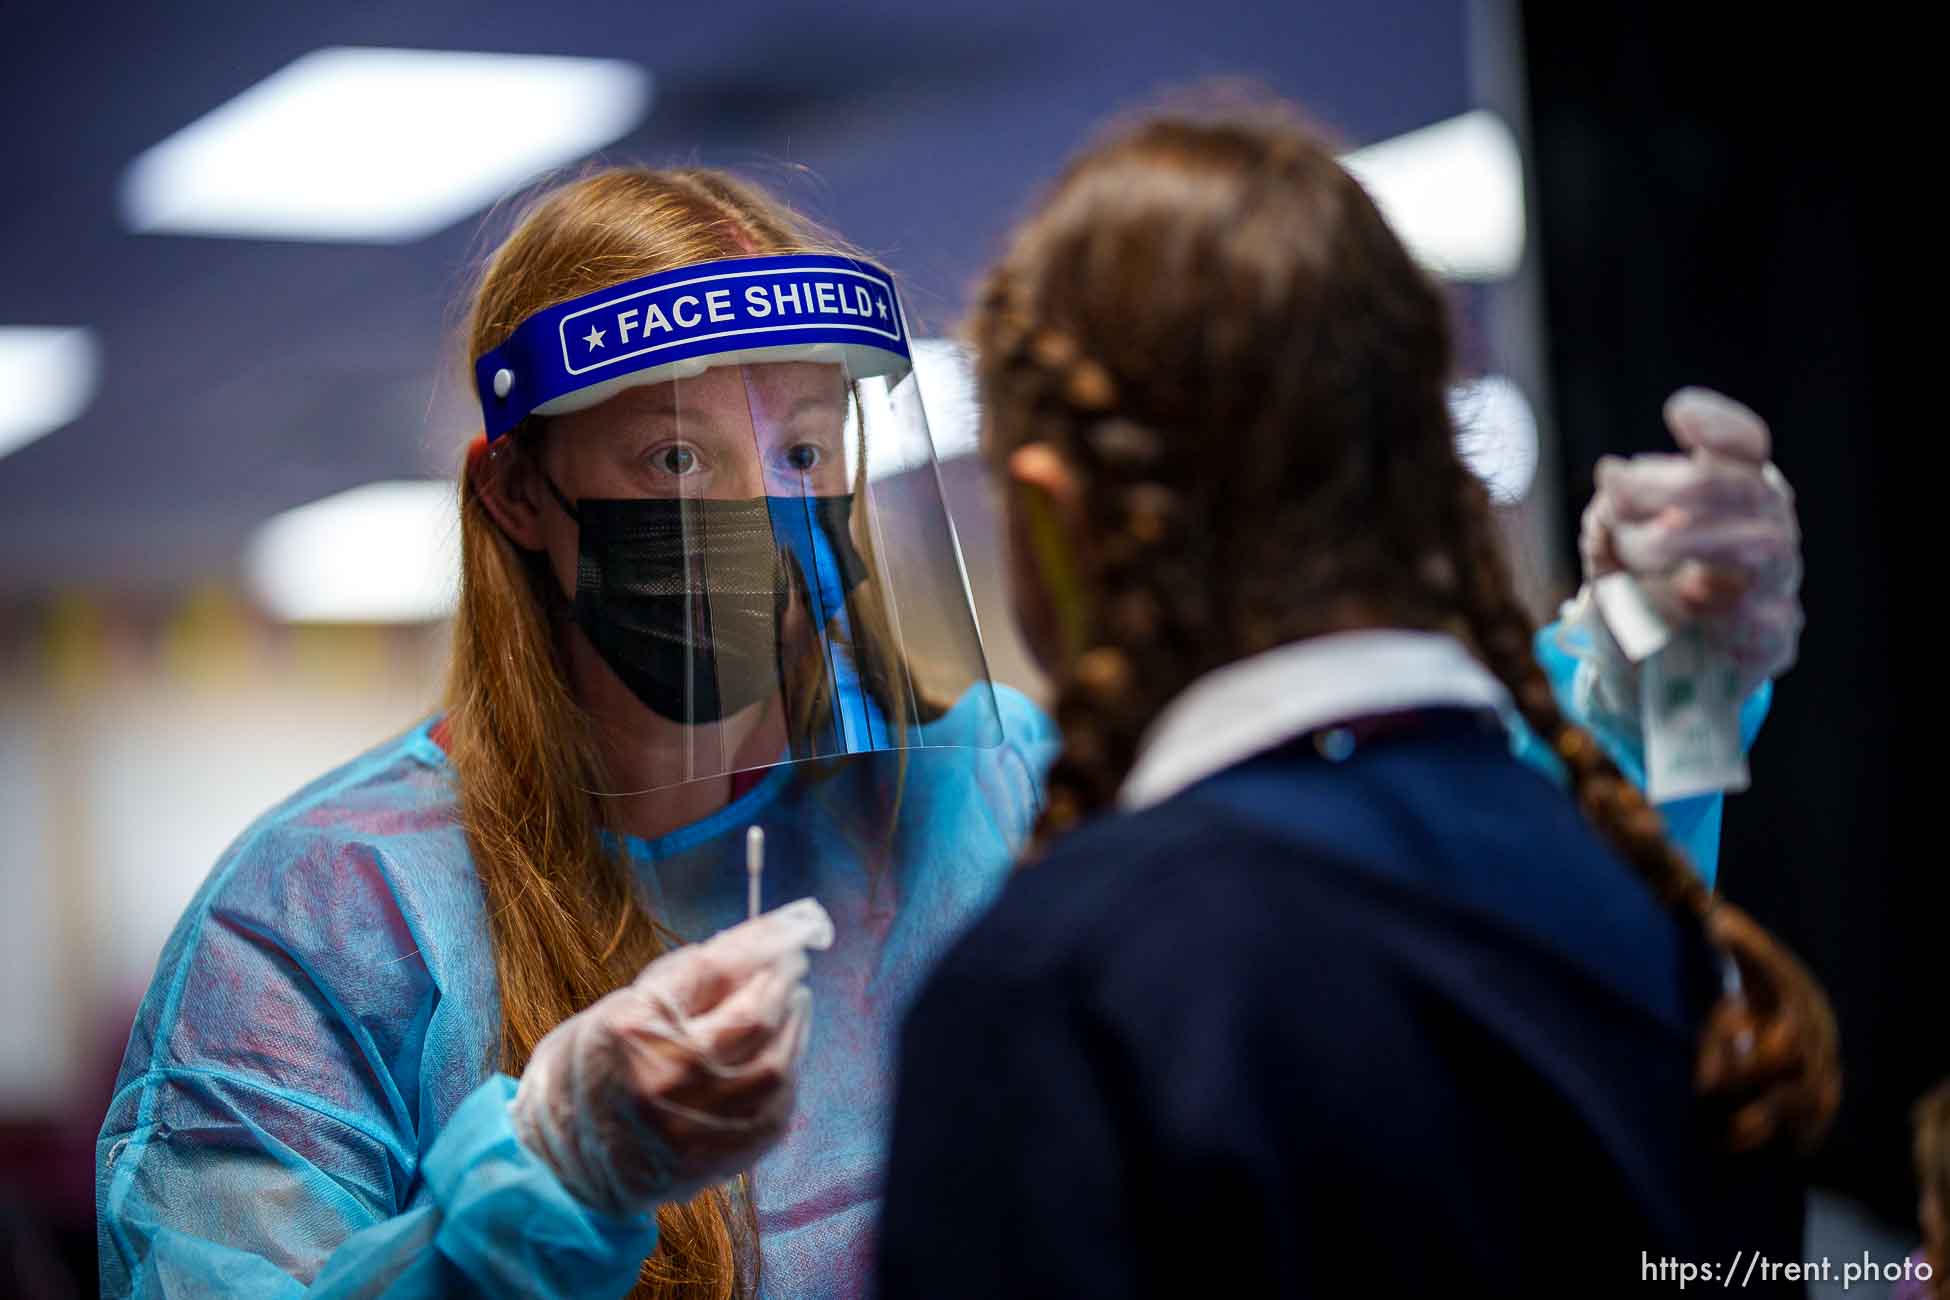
point(1247, 374)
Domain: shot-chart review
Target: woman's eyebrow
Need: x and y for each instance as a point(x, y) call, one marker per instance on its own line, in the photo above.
point(812, 402)
point(692, 421)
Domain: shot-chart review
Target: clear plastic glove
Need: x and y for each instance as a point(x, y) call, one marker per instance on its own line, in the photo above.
point(1710, 535)
point(683, 1077)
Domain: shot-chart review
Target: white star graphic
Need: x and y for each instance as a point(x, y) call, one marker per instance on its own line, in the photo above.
point(881, 303)
point(594, 338)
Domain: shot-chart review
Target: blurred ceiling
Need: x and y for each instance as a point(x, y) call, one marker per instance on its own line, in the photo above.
point(241, 378)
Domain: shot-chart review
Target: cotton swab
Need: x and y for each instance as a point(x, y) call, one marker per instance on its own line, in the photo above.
point(754, 867)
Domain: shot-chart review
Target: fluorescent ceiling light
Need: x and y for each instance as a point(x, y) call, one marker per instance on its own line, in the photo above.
point(382, 553)
point(1453, 192)
point(48, 377)
point(379, 145)
point(1496, 432)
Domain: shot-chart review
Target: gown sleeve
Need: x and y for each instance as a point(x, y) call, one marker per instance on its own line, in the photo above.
point(267, 1134)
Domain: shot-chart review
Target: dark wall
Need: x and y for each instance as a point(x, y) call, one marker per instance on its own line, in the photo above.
point(1703, 218)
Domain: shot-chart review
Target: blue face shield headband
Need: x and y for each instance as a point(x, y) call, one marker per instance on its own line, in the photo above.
point(795, 306)
point(719, 608)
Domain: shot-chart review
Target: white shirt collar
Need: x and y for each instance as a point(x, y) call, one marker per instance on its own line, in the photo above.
point(1257, 704)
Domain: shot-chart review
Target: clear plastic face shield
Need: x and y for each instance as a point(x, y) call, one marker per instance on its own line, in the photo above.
point(764, 556)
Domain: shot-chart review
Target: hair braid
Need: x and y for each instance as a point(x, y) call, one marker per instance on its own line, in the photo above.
point(1147, 621)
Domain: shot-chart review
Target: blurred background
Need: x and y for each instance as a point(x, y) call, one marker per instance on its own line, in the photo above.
point(237, 239)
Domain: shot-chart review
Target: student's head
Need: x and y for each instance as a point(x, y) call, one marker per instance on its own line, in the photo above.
point(1215, 386)
point(1931, 1120)
point(1208, 348)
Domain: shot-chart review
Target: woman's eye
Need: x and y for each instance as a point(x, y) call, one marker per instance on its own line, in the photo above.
point(676, 460)
point(804, 457)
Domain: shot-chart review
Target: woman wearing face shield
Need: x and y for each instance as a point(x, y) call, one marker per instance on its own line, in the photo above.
point(479, 1012)
point(482, 1012)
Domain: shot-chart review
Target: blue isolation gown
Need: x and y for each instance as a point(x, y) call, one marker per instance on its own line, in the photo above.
point(1568, 660)
point(310, 1103)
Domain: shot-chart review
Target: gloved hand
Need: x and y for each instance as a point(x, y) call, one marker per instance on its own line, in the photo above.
point(1711, 536)
point(684, 1076)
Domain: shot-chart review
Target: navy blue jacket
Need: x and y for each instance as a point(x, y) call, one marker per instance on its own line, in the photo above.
point(1396, 1025)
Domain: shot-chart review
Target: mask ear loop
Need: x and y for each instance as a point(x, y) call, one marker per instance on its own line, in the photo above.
point(562, 603)
point(481, 452)
point(561, 500)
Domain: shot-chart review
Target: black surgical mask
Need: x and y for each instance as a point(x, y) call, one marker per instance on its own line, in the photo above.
point(685, 598)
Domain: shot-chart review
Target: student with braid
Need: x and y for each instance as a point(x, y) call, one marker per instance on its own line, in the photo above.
point(1308, 980)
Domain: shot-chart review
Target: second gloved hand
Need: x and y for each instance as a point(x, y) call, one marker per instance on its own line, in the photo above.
point(1711, 536)
point(681, 1078)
